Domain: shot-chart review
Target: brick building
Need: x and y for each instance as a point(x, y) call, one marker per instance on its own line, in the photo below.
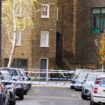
point(36, 46)
point(63, 35)
point(66, 32)
point(80, 24)
point(44, 40)
point(23, 51)
point(92, 17)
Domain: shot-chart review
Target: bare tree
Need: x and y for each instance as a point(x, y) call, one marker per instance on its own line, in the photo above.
point(16, 14)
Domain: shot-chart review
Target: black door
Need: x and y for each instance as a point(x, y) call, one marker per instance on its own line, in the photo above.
point(43, 68)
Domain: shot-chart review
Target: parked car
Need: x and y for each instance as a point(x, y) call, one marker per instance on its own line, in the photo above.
point(88, 85)
point(26, 78)
point(98, 92)
point(10, 86)
point(4, 94)
point(73, 80)
point(80, 80)
point(17, 77)
point(77, 74)
point(74, 77)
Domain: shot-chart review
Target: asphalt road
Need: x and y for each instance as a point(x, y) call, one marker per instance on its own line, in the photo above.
point(52, 96)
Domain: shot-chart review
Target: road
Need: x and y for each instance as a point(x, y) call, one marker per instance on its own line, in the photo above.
point(52, 96)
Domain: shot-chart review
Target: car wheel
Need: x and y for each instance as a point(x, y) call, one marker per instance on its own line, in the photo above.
point(21, 97)
point(92, 103)
point(29, 86)
point(25, 92)
point(72, 87)
point(83, 97)
point(76, 89)
point(12, 102)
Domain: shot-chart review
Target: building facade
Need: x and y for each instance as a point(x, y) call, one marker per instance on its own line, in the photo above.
point(81, 25)
point(44, 39)
point(66, 32)
point(63, 35)
point(35, 46)
point(22, 57)
point(90, 24)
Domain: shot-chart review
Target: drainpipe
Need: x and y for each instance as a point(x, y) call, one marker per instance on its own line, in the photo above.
point(0, 28)
point(74, 28)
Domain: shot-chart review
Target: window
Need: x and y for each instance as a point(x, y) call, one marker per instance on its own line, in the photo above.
point(20, 63)
point(45, 11)
point(18, 38)
point(6, 60)
point(44, 39)
point(98, 19)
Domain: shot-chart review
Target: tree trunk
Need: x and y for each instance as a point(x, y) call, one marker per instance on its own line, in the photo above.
point(14, 37)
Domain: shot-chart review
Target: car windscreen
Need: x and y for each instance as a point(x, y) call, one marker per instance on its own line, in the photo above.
point(6, 76)
point(102, 83)
point(13, 72)
point(91, 77)
point(82, 76)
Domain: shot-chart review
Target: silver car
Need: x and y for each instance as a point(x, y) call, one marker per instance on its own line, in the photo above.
point(88, 85)
point(10, 86)
point(4, 93)
point(17, 77)
point(80, 80)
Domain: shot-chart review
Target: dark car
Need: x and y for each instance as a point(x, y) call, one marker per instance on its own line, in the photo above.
point(10, 86)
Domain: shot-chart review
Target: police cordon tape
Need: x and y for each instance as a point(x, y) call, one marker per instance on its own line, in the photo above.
point(50, 71)
point(51, 74)
point(39, 79)
point(42, 83)
point(13, 81)
point(45, 76)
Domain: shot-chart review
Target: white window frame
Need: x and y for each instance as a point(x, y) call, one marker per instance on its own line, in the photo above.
point(18, 38)
point(44, 39)
point(48, 11)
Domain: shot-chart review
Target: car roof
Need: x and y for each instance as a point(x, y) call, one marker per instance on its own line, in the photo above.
point(4, 71)
point(102, 75)
point(95, 73)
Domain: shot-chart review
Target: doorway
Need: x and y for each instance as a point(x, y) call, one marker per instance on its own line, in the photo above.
point(43, 68)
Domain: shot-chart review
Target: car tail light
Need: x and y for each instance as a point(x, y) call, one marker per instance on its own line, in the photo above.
point(1, 88)
point(98, 80)
point(95, 90)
